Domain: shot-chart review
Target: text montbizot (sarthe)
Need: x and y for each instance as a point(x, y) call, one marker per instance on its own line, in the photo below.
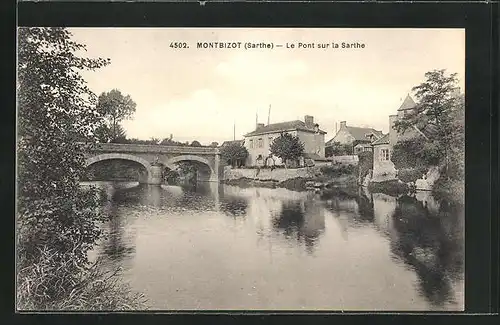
point(269, 45)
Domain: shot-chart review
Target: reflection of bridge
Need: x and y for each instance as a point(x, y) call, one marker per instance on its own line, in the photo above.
point(155, 158)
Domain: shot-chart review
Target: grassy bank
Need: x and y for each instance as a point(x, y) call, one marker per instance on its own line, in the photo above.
point(57, 282)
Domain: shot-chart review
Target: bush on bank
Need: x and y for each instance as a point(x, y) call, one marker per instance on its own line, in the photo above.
point(393, 187)
point(58, 282)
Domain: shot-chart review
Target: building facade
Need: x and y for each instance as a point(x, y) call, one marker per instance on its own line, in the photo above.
point(359, 139)
point(258, 142)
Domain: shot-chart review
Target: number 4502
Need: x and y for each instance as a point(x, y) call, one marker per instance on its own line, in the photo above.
point(178, 45)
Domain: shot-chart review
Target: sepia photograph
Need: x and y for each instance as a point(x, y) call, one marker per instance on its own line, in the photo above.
point(229, 169)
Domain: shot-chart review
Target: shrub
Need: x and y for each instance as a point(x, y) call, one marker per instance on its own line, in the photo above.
point(393, 188)
point(411, 174)
point(57, 282)
point(335, 171)
point(365, 163)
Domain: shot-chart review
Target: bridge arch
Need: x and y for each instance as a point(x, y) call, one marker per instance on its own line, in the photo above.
point(177, 159)
point(123, 156)
point(111, 156)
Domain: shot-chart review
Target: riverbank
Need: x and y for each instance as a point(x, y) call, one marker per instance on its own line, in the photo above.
point(297, 179)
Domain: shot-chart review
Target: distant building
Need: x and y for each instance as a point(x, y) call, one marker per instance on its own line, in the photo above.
point(359, 138)
point(258, 142)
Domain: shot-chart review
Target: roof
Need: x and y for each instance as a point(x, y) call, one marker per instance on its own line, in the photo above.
point(359, 134)
point(407, 104)
point(314, 156)
point(364, 145)
point(283, 126)
point(382, 140)
point(227, 143)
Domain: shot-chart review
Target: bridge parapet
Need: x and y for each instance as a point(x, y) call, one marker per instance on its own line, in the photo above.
point(147, 148)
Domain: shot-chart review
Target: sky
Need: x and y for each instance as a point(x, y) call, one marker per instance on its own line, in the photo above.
point(202, 94)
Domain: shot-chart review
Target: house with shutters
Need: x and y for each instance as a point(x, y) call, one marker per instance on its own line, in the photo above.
point(258, 142)
point(357, 138)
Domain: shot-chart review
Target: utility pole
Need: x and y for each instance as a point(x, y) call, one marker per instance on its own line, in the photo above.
point(234, 130)
point(269, 114)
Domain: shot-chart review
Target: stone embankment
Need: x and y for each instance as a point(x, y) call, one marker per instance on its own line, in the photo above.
point(306, 178)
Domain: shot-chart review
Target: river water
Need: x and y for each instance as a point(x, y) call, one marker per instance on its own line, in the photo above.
point(219, 247)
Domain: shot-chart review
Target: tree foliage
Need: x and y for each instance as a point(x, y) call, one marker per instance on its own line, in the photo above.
point(338, 149)
point(170, 142)
point(196, 143)
point(287, 147)
point(439, 114)
point(415, 153)
point(234, 153)
point(115, 107)
point(365, 163)
point(55, 109)
point(105, 134)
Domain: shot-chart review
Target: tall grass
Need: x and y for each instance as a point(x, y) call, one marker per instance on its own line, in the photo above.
point(57, 282)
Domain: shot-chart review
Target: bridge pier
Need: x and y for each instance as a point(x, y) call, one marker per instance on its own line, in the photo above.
point(155, 175)
point(215, 175)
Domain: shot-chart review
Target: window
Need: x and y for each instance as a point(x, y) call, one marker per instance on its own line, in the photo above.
point(251, 144)
point(384, 154)
point(260, 143)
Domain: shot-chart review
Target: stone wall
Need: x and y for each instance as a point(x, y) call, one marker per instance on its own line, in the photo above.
point(278, 174)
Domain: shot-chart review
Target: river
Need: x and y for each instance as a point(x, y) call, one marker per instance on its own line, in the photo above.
point(219, 247)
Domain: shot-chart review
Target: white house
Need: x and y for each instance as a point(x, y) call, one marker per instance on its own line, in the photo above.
point(258, 142)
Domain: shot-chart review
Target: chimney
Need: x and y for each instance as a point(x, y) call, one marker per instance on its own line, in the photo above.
point(309, 120)
point(171, 136)
point(393, 134)
point(260, 125)
point(343, 124)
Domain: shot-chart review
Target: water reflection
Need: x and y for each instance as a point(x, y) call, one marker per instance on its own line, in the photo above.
point(431, 241)
point(234, 206)
point(184, 233)
point(303, 221)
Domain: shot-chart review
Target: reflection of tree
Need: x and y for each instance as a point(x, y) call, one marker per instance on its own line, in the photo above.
point(431, 244)
point(301, 220)
point(234, 205)
point(115, 247)
point(365, 208)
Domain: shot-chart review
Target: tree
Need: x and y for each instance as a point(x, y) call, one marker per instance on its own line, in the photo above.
point(154, 140)
point(365, 163)
point(115, 107)
point(338, 149)
point(55, 215)
point(195, 143)
point(235, 153)
point(287, 147)
point(438, 114)
point(105, 135)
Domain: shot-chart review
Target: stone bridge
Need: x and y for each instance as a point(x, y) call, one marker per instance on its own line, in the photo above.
point(155, 158)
